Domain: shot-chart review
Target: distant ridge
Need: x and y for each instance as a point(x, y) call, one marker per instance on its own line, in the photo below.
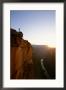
point(33, 45)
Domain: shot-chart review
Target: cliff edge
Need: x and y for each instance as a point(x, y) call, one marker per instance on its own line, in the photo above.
point(21, 65)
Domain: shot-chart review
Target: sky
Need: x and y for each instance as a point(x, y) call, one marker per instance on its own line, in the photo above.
point(38, 26)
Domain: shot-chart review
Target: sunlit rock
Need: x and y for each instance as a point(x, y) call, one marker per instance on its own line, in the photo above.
point(21, 57)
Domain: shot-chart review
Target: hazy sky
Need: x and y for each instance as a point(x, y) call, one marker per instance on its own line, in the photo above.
point(38, 27)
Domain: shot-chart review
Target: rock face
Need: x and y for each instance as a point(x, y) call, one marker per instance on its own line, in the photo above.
point(21, 65)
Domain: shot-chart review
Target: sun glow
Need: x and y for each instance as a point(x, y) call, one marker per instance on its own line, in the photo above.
point(51, 45)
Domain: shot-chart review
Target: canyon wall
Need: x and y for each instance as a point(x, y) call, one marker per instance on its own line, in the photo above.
point(21, 64)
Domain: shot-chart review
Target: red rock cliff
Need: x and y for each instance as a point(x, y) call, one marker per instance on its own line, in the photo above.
point(21, 57)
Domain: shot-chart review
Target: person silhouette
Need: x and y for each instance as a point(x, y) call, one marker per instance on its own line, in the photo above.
point(20, 33)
